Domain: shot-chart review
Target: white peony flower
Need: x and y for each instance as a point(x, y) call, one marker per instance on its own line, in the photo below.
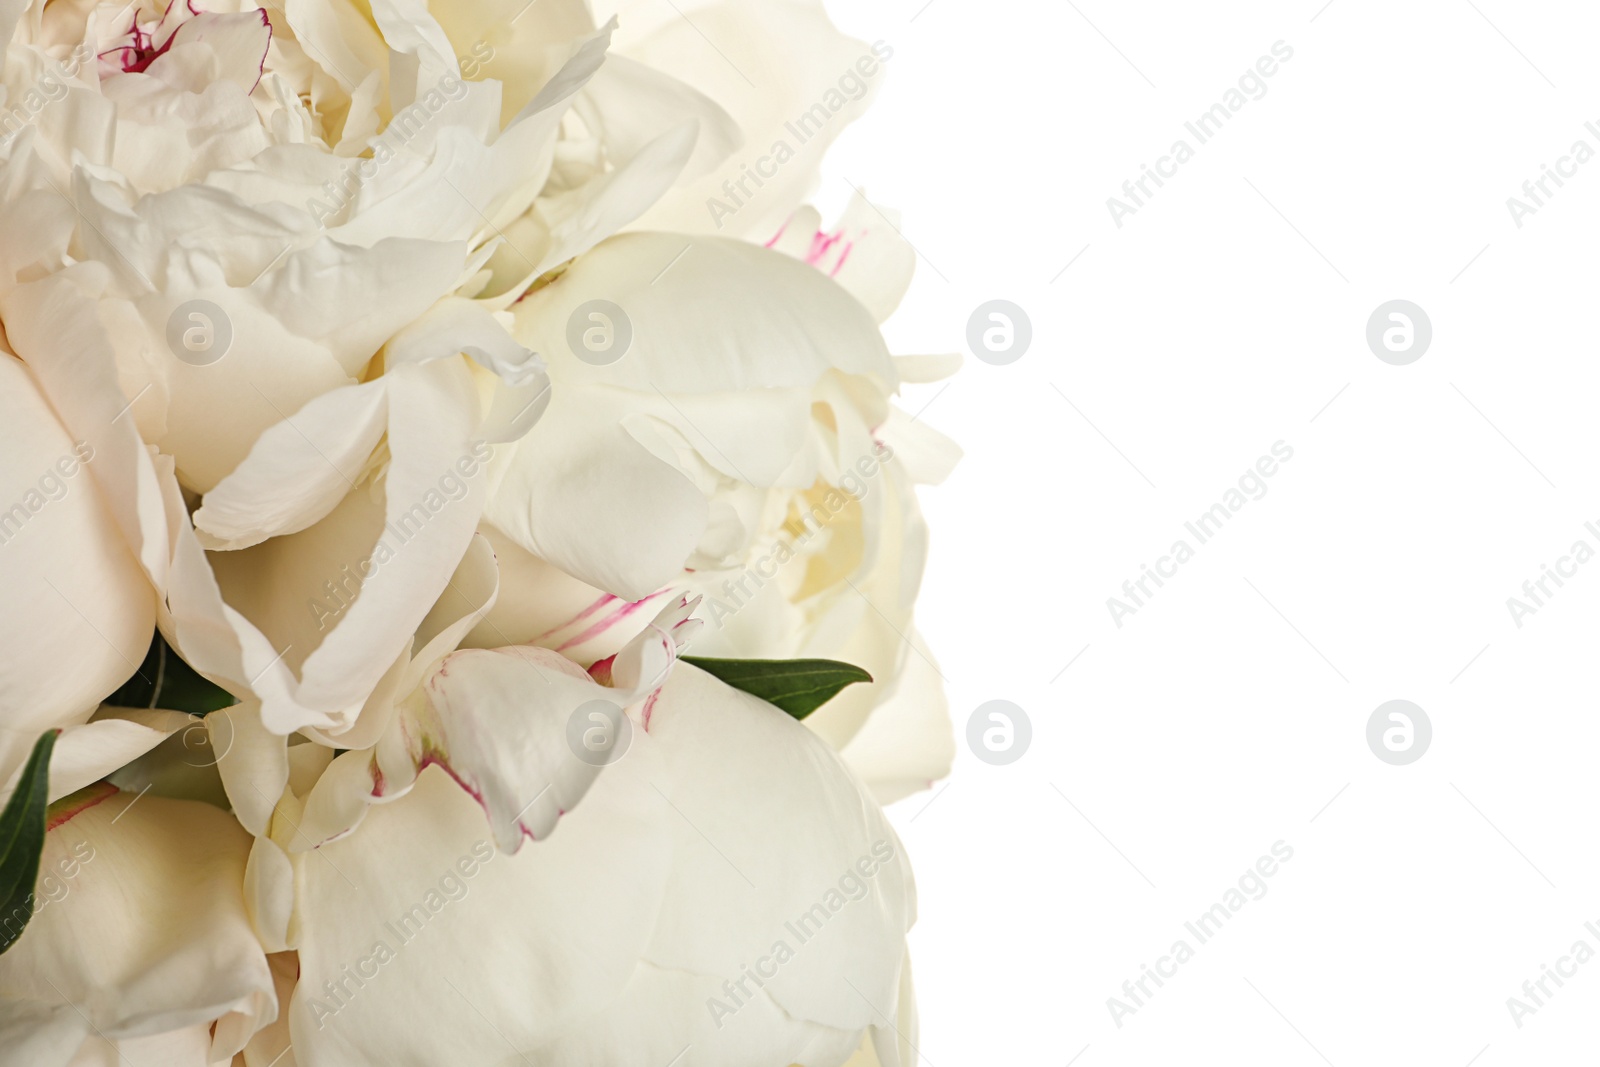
point(730, 342)
point(139, 949)
point(744, 448)
point(659, 917)
point(302, 293)
point(305, 302)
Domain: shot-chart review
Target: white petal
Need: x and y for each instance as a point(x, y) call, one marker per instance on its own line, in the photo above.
point(906, 744)
point(341, 599)
point(253, 762)
point(148, 934)
point(923, 369)
point(188, 1047)
point(298, 470)
point(640, 908)
point(51, 324)
point(432, 416)
point(91, 609)
point(114, 738)
point(865, 252)
point(456, 326)
point(644, 663)
point(552, 930)
point(269, 892)
point(725, 743)
point(470, 596)
point(634, 103)
point(235, 44)
point(577, 490)
point(772, 65)
point(498, 719)
point(751, 318)
point(337, 803)
point(927, 455)
point(580, 219)
point(540, 604)
point(518, 45)
point(270, 1046)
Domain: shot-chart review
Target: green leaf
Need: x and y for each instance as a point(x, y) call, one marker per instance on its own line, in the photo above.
point(165, 681)
point(798, 686)
point(22, 840)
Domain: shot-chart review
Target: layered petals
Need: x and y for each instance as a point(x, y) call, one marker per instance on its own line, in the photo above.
point(691, 895)
point(140, 943)
point(787, 76)
point(650, 434)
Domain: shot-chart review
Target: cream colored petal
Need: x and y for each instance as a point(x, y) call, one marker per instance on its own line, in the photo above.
point(540, 604)
point(386, 974)
point(269, 895)
point(576, 492)
point(253, 762)
point(579, 219)
point(864, 252)
point(499, 721)
point(146, 934)
point(298, 469)
point(270, 1046)
point(730, 909)
point(785, 74)
point(655, 893)
point(752, 318)
point(520, 46)
point(634, 103)
point(906, 744)
point(340, 600)
point(114, 738)
point(91, 608)
point(456, 326)
point(923, 369)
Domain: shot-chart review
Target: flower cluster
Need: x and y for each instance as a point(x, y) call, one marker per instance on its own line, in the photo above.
point(385, 416)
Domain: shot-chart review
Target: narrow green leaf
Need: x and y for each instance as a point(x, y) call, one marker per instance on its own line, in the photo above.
point(165, 681)
point(22, 840)
point(798, 686)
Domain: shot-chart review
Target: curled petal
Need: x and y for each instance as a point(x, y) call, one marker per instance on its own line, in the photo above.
point(498, 721)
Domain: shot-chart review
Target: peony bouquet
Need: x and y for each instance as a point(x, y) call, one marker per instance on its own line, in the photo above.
point(461, 550)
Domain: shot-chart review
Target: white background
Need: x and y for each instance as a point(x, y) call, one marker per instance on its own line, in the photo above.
point(1230, 712)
